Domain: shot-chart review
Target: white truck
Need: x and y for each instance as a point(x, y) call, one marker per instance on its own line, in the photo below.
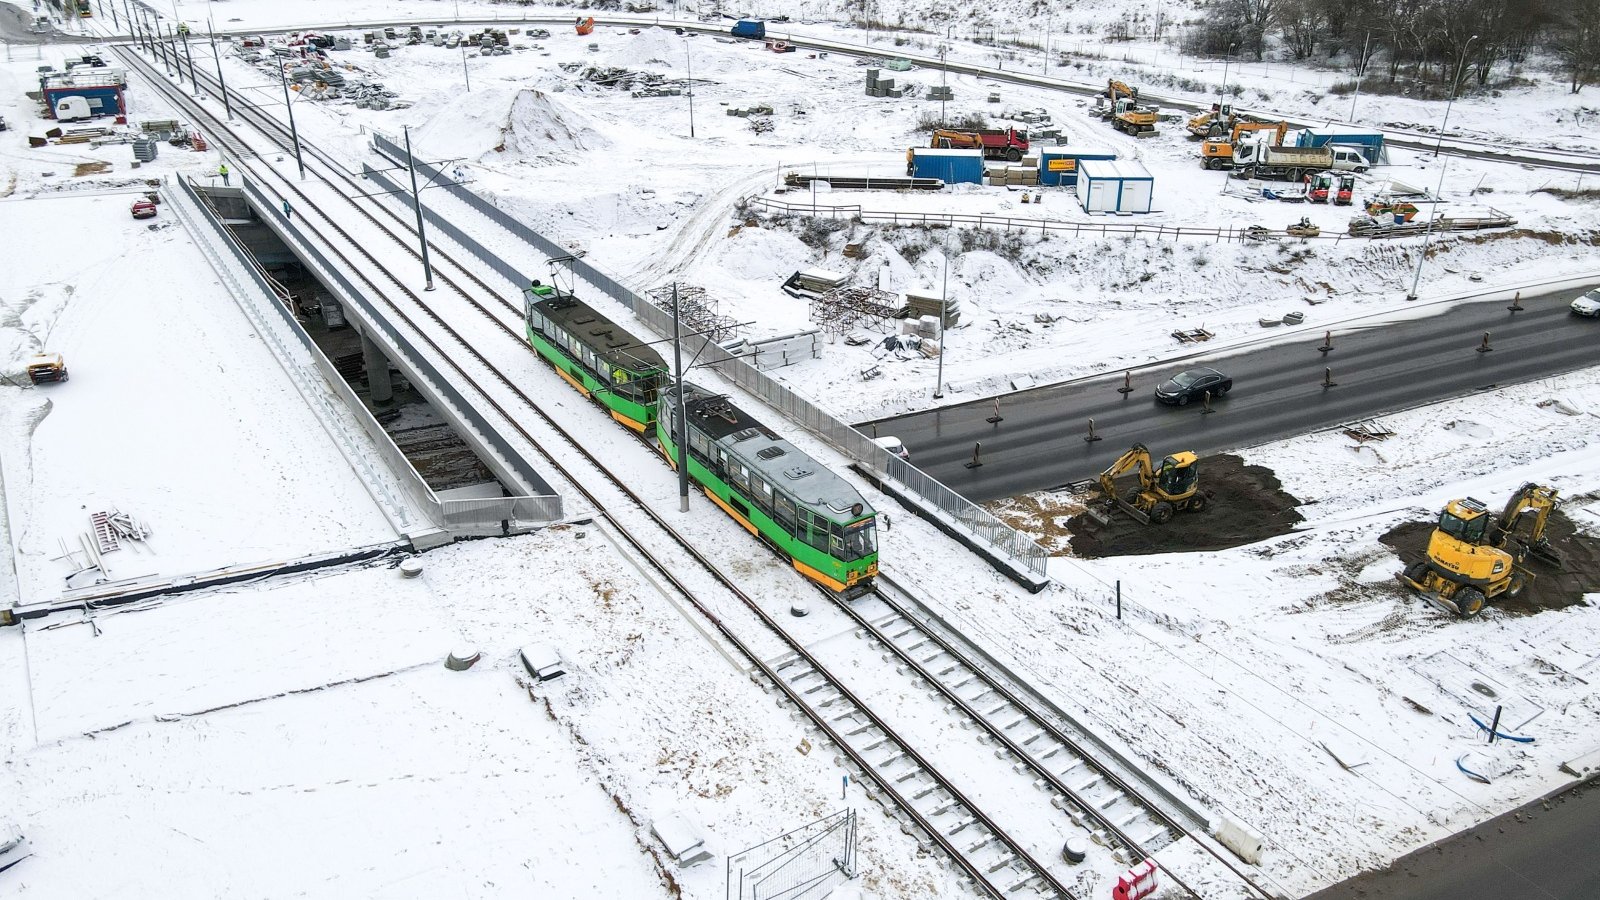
point(1294, 163)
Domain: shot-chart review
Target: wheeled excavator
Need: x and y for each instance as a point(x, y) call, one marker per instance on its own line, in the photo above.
point(1475, 556)
point(1161, 492)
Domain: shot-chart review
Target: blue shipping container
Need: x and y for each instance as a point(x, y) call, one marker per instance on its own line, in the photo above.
point(1060, 165)
point(948, 165)
point(1368, 143)
point(749, 28)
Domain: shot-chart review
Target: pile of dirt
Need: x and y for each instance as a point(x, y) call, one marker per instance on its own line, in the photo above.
point(1551, 588)
point(1246, 504)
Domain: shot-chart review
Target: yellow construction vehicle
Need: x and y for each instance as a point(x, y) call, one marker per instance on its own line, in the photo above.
point(44, 368)
point(1217, 153)
point(1213, 123)
point(1160, 493)
point(1475, 557)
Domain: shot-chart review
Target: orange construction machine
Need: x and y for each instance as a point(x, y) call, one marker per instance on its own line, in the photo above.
point(586, 25)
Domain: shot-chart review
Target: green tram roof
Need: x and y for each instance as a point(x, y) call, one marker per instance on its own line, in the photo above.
point(780, 463)
point(606, 338)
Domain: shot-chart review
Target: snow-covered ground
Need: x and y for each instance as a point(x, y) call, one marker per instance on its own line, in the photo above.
point(175, 413)
point(1242, 675)
point(620, 178)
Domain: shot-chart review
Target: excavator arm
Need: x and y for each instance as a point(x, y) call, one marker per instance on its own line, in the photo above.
point(1137, 457)
point(1530, 498)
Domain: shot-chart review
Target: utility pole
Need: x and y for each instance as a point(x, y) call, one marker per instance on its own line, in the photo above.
point(464, 73)
point(680, 433)
point(211, 31)
point(944, 317)
point(416, 201)
point(293, 132)
point(193, 81)
point(689, 88)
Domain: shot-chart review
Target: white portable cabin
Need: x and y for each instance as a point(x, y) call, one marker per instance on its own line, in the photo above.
point(1114, 186)
point(69, 109)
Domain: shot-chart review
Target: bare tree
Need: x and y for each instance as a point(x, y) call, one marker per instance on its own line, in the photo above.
point(1578, 41)
point(1302, 23)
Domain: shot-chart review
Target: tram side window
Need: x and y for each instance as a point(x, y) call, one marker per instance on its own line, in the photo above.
point(698, 443)
point(816, 531)
point(536, 319)
point(836, 541)
point(741, 476)
point(762, 492)
point(783, 511)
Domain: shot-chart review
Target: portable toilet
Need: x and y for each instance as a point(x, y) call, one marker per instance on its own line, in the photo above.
point(948, 164)
point(1059, 165)
point(1114, 185)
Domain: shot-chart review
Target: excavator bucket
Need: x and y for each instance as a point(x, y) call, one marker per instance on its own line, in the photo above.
point(1543, 552)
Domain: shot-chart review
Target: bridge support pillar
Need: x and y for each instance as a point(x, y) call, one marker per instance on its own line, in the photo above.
point(379, 387)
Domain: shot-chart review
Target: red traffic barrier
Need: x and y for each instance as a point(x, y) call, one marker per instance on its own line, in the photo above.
point(1137, 882)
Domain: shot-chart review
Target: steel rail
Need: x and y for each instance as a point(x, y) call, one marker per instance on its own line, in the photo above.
point(640, 546)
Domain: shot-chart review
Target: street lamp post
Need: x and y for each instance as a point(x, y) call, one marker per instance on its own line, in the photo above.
point(464, 73)
point(293, 132)
point(1222, 92)
point(1047, 23)
point(1455, 81)
point(1427, 239)
point(416, 202)
point(944, 72)
point(1361, 69)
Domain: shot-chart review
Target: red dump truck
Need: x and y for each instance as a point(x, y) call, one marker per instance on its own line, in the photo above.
point(996, 143)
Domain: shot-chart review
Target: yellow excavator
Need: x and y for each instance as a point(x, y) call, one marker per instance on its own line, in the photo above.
point(1475, 557)
point(1161, 492)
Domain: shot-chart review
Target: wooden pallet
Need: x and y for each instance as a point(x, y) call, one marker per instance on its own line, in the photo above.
point(1193, 335)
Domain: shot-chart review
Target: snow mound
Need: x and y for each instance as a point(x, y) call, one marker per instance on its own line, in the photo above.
point(652, 46)
point(539, 127)
point(527, 123)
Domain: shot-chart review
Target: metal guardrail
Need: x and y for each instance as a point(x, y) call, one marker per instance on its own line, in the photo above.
point(954, 510)
point(462, 516)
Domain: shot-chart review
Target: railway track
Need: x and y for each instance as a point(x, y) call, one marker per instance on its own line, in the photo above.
point(993, 861)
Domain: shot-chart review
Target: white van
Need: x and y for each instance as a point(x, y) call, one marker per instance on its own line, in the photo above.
point(893, 445)
point(1348, 159)
point(542, 662)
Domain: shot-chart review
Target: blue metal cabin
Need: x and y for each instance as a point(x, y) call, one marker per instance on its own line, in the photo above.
point(950, 165)
point(750, 28)
point(1059, 165)
point(101, 88)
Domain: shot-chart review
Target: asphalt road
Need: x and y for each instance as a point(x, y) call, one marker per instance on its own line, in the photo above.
point(1277, 393)
point(1543, 851)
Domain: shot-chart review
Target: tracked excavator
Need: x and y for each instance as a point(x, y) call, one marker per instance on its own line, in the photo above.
point(1475, 556)
point(1161, 492)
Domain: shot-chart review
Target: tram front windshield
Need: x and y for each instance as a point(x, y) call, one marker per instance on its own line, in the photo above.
point(860, 539)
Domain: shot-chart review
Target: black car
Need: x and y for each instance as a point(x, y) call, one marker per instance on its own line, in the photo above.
point(1193, 385)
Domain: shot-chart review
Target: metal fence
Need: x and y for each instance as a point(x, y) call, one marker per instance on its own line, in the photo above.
point(806, 862)
point(475, 516)
point(1119, 229)
point(956, 511)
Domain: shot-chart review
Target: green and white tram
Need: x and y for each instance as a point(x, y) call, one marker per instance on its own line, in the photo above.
point(811, 515)
point(596, 356)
